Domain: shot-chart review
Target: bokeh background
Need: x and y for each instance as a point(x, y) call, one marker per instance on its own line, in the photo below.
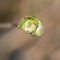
point(15, 44)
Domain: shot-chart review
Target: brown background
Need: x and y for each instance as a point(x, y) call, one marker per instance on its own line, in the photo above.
point(27, 47)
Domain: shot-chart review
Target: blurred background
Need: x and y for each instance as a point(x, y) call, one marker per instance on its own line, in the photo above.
point(11, 11)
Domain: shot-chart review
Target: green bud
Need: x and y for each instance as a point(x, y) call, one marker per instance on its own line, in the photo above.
point(31, 25)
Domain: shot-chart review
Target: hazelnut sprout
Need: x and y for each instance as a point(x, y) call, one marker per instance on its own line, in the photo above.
point(31, 25)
